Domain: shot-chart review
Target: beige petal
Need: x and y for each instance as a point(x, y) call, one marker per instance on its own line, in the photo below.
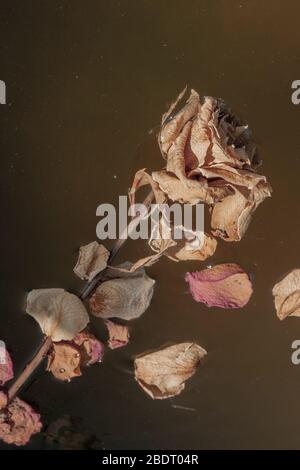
point(172, 127)
point(126, 297)
point(118, 334)
point(173, 105)
point(195, 192)
point(232, 216)
point(287, 295)
point(207, 249)
point(231, 175)
point(142, 178)
point(201, 134)
point(175, 157)
point(92, 260)
point(64, 361)
point(162, 374)
point(160, 240)
point(61, 315)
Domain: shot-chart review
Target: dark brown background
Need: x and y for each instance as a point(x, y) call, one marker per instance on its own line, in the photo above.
point(86, 81)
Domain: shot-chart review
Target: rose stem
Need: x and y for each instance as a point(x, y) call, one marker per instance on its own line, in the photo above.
point(89, 288)
point(30, 367)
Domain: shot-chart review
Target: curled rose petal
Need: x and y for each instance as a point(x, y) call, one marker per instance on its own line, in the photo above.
point(61, 315)
point(92, 260)
point(163, 373)
point(207, 249)
point(142, 178)
point(196, 191)
point(91, 348)
point(64, 361)
point(224, 285)
point(18, 422)
point(6, 365)
point(126, 297)
point(118, 334)
point(232, 216)
point(287, 295)
point(172, 126)
point(176, 159)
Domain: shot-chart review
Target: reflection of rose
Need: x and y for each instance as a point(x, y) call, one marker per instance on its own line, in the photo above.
point(211, 158)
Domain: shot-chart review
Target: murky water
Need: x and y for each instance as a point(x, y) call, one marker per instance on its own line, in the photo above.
point(86, 82)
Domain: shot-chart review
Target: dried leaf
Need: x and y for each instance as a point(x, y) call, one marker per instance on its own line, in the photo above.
point(18, 422)
point(224, 285)
point(91, 348)
point(162, 374)
point(64, 361)
point(287, 295)
point(118, 334)
point(61, 315)
point(126, 297)
point(92, 260)
point(6, 365)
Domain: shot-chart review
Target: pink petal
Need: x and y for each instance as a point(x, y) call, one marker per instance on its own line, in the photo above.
point(224, 285)
point(92, 349)
point(6, 365)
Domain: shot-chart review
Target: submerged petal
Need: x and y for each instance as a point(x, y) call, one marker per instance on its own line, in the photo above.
point(163, 373)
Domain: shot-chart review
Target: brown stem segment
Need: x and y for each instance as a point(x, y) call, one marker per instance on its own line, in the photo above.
point(89, 288)
point(31, 366)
